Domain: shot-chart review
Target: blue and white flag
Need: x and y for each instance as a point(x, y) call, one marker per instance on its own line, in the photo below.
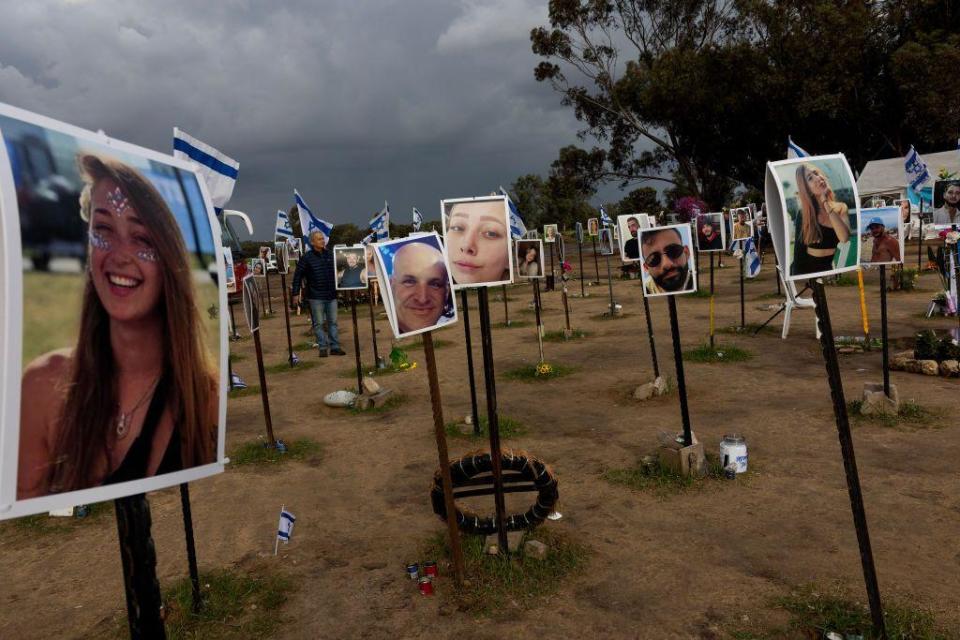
point(236, 382)
point(604, 218)
point(367, 240)
point(916, 169)
point(381, 223)
point(285, 528)
point(284, 230)
point(417, 219)
point(794, 150)
point(219, 170)
point(751, 260)
point(517, 227)
point(309, 222)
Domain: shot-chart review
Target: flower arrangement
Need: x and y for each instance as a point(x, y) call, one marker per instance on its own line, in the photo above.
point(544, 369)
point(400, 360)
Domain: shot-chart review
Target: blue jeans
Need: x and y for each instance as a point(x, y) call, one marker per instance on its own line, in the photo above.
point(328, 309)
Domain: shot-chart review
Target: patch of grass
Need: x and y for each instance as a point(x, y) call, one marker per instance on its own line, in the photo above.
point(607, 316)
point(304, 346)
point(284, 367)
point(255, 453)
point(236, 357)
point(558, 336)
point(514, 324)
point(438, 343)
point(497, 585)
point(253, 389)
point(235, 605)
point(528, 373)
point(700, 293)
point(652, 477)
point(41, 524)
point(392, 402)
point(368, 369)
point(718, 353)
point(843, 280)
point(910, 414)
point(508, 427)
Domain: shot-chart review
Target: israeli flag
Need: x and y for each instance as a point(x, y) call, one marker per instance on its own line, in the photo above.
point(751, 260)
point(417, 219)
point(285, 528)
point(604, 218)
point(367, 240)
point(381, 223)
point(309, 222)
point(219, 170)
point(284, 230)
point(916, 169)
point(236, 382)
point(517, 228)
point(794, 150)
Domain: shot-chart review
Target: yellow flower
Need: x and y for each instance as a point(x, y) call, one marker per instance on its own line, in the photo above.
point(544, 369)
point(413, 366)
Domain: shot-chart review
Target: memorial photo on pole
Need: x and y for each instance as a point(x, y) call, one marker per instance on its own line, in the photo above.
point(813, 212)
point(371, 261)
point(946, 202)
point(550, 233)
point(251, 303)
point(476, 234)
point(258, 267)
point(230, 277)
point(630, 226)
point(593, 227)
point(417, 288)
point(282, 253)
point(606, 241)
point(882, 239)
point(265, 254)
point(741, 224)
point(668, 264)
point(136, 246)
point(711, 232)
point(529, 258)
point(351, 267)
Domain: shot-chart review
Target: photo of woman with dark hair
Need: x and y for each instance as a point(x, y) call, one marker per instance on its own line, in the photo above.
point(529, 258)
point(137, 394)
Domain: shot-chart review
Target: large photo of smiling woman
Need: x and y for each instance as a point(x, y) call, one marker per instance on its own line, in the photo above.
point(120, 322)
point(476, 233)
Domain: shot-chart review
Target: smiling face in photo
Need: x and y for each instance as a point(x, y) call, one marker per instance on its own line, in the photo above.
point(478, 242)
point(420, 286)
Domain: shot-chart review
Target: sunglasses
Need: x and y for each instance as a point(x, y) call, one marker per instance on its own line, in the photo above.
point(673, 252)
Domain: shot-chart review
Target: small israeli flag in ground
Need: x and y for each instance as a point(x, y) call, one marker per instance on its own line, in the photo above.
point(916, 169)
point(417, 219)
point(517, 228)
point(794, 150)
point(295, 359)
point(284, 529)
point(236, 382)
point(219, 170)
point(604, 218)
point(284, 229)
point(309, 222)
point(381, 223)
point(751, 260)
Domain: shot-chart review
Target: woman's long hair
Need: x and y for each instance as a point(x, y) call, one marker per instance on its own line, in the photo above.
point(90, 408)
point(809, 206)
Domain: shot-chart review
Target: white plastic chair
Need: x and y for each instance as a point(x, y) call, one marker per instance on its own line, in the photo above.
point(794, 300)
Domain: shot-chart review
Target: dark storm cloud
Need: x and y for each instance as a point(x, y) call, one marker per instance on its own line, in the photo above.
point(350, 102)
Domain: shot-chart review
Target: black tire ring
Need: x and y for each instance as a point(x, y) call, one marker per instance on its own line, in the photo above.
point(470, 465)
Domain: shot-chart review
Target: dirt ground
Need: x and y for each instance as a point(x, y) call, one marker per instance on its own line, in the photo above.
point(658, 567)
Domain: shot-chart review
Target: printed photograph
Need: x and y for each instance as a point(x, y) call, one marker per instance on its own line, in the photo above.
point(371, 260)
point(251, 302)
point(946, 200)
point(476, 234)
point(351, 267)
point(265, 253)
point(579, 232)
point(417, 287)
point(529, 258)
point(882, 241)
point(550, 233)
point(593, 227)
point(668, 264)
point(711, 232)
point(120, 269)
point(606, 242)
point(282, 256)
point(230, 276)
point(630, 226)
point(741, 224)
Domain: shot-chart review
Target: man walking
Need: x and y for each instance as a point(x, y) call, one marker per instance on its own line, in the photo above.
point(317, 266)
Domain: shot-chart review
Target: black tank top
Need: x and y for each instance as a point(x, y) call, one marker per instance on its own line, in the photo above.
point(828, 238)
point(134, 465)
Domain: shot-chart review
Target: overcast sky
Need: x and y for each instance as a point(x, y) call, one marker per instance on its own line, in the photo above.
point(349, 101)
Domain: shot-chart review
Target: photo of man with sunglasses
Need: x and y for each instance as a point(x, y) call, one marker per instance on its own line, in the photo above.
point(665, 252)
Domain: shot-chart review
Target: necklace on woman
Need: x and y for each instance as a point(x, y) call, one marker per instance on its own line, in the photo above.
point(123, 421)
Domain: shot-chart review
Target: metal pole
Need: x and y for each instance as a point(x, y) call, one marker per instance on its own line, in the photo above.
point(286, 318)
point(486, 340)
point(583, 293)
point(776, 264)
point(832, 364)
point(266, 276)
point(711, 300)
point(596, 261)
point(263, 390)
point(613, 307)
point(233, 322)
point(920, 240)
point(743, 313)
point(506, 310)
point(883, 329)
point(444, 458)
point(566, 305)
point(653, 345)
point(356, 340)
point(373, 328)
point(139, 559)
point(551, 284)
point(191, 547)
point(465, 309)
point(678, 361)
point(536, 308)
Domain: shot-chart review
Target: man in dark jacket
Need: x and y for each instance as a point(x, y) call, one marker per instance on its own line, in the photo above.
point(318, 268)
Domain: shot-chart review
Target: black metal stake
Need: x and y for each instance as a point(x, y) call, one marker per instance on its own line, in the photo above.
point(263, 390)
point(583, 293)
point(832, 364)
point(356, 340)
point(920, 240)
point(553, 274)
point(506, 309)
point(536, 309)
point(286, 318)
point(743, 314)
point(883, 329)
point(266, 276)
point(139, 559)
point(373, 327)
point(191, 546)
point(474, 412)
point(233, 322)
point(653, 345)
point(776, 264)
point(712, 320)
point(493, 422)
point(596, 261)
point(613, 305)
point(678, 361)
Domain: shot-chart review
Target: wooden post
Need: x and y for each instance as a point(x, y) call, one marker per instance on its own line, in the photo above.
point(139, 559)
point(438, 429)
